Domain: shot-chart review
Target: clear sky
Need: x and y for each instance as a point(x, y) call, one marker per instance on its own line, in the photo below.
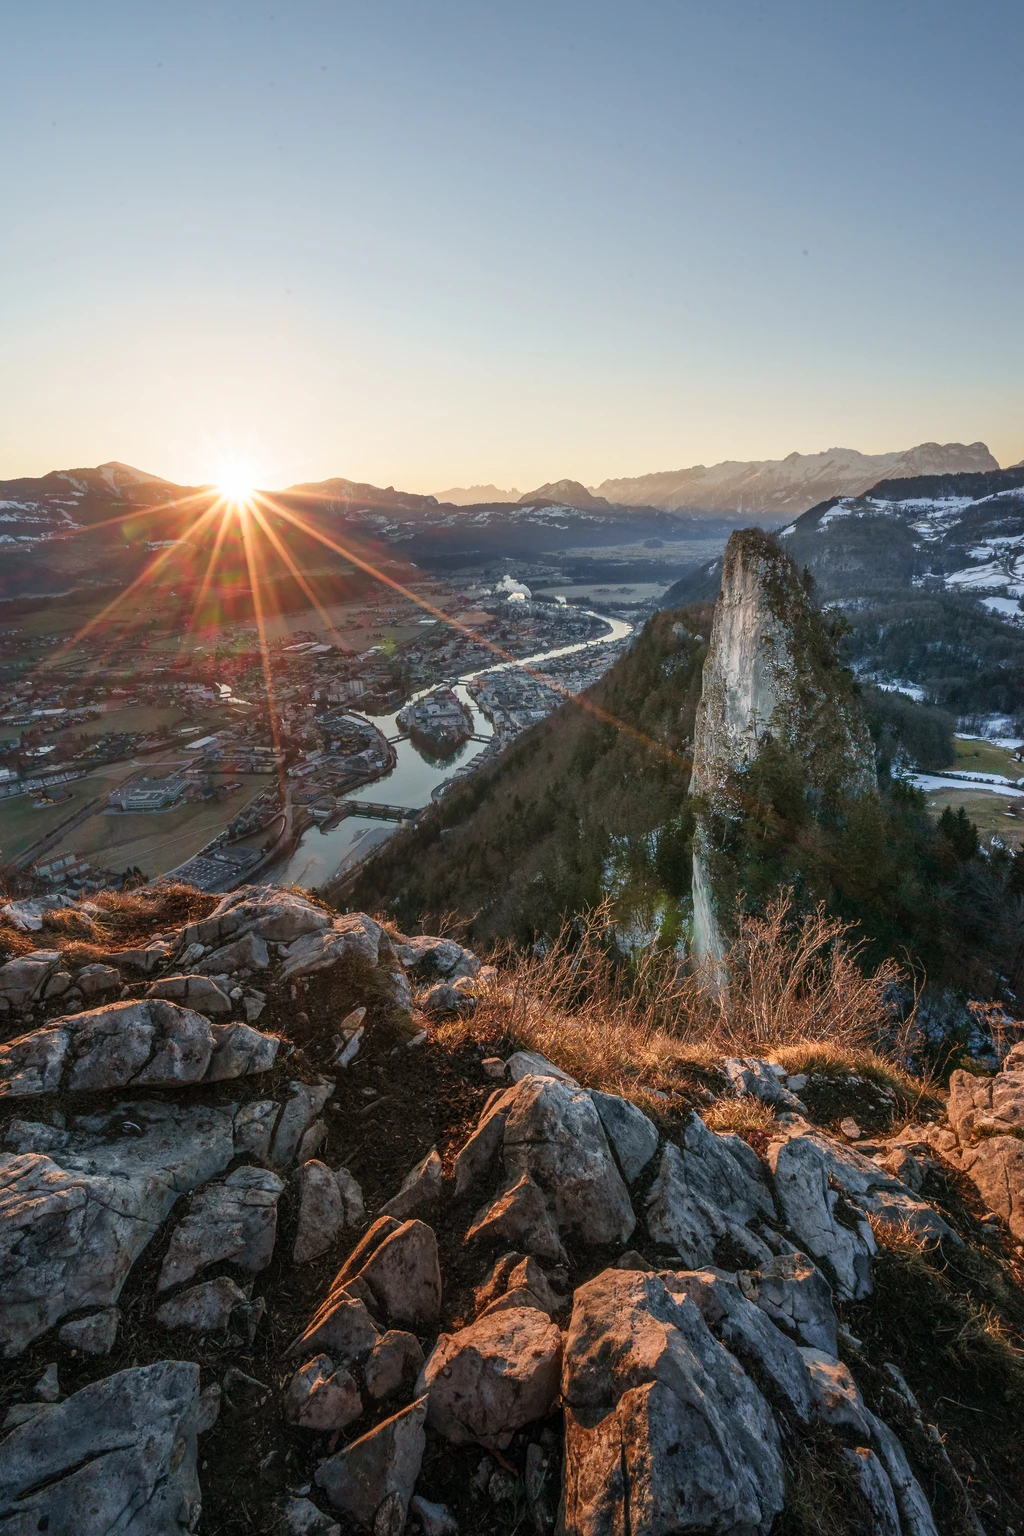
point(437, 242)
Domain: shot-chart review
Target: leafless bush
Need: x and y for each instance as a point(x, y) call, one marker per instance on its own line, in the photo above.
point(789, 983)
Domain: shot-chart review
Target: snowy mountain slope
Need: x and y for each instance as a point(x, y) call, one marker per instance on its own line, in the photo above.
point(792, 484)
point(929, 574)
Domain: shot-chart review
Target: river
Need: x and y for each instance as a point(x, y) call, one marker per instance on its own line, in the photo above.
point(319, 853)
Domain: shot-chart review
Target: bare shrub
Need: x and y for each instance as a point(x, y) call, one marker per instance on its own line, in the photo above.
point(788, 982)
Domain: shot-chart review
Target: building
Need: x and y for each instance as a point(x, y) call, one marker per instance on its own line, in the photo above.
point(147, 794)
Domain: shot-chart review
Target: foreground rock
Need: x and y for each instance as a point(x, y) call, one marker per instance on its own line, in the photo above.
point(153, 1043)
point(489, 1379)
point(329, 1202)
point(709, 1190)
point(270, 913)
point(235, 1219)
point(664, 1431)
point(392, 1275)
point(372, 1480)
point(560, 1174)
point(77, 1207)
point(119, 1455)
point(839, 1405)
point(987, 1115)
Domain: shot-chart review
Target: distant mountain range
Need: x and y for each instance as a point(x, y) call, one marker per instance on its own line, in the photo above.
point(793, 484)
point(475, 495)
point(95, 524)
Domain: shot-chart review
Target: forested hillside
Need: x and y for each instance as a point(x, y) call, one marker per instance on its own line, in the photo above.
point(593, 803)
point(571, 808)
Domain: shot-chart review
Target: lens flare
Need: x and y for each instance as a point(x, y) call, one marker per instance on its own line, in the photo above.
point(235, 484)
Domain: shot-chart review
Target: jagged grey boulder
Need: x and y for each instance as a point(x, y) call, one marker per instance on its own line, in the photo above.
point(93, 980)
point(554, 1133)
point(146, 959)
point(343, 1327)
point(78, 1207)
point(203, 1308)
point(23, 980)
point(993, 1106)
point(761, 1348)
point(520, 1213)
point(300, 1109)
point(420, 1193)
point(254, 1127)
point(153, 1043)
point(996, 1168)
point(434, 1519)
point(193, 991)
point(802, 1182)
point(489, 1379)
point(394, 1362)
point(234, 1218)
point(532, 1064)
point(838, 1403)
point(393, 1273)
point(150, 1043)
point(794, 1293)
point(329, 1202)
point(477, 1162)
point(240, 1051)
point(703, 1196)
point(443, 999)
point(424, 957)
point(749, 1074)
point(353, 935)
point(664, 1431)
point(873, 1190)
point(118, 1455)
point(518, 1281)
point(300, 1517)
point(372, 1480)
point(321, 1397)
point(404, 1275)
point(633, 1138)
point(273, 914)
point(875, 1487)
point(249, 952)
point(92, 1335)
point(987, 1115)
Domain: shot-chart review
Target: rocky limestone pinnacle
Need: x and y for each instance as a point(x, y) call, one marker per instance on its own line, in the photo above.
point(771, 673)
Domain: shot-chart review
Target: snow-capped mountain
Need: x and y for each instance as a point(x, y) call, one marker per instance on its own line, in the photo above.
point(793, 484)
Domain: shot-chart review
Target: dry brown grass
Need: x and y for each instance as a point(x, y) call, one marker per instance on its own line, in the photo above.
point(119, 920)
point(748, 1117)
point(792, 988)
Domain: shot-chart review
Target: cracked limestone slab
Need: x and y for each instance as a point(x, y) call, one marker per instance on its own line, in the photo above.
point(149, 1043)
point(232, 1219)
point(118, 1455)
point(77, 1207)
point(272, 914)
point(352, 935)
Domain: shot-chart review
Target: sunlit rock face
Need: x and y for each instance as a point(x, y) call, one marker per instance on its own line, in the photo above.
point(771, 674)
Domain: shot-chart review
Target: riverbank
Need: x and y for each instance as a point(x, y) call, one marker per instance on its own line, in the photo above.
point(321, 853)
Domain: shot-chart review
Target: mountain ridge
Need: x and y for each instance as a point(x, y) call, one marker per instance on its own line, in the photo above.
point(793, 484)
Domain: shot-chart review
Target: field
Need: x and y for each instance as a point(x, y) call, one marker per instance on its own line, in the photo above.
point(21, 824)
point(973, 756)
point(157, 841)
point(991, 813)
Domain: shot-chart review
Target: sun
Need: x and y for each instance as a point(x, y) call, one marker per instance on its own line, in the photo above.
point(235, 484)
